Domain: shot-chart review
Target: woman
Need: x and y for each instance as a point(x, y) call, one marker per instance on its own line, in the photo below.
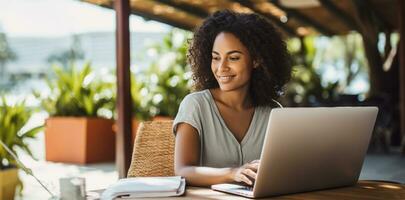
point(240, 65)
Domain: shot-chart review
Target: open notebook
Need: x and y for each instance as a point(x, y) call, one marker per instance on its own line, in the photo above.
point(145, 187)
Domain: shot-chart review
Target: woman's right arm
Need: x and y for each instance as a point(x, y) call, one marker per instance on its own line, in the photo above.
point(187, 158)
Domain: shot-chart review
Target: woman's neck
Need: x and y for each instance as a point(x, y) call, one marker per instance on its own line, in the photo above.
point(236, 99)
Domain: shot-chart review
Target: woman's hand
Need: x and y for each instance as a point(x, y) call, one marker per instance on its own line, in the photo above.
point(246, 173)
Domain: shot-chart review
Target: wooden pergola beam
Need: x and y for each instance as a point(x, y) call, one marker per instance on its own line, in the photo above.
point(148, 16)
point(303, 18)
point(274, 19)
point(124, 103)
point(162, 19)
point(186, 8)
point(340, 14)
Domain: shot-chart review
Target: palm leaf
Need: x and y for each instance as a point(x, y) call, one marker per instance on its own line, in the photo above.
point(70, 96)
point(12, 120)
point(32, 132)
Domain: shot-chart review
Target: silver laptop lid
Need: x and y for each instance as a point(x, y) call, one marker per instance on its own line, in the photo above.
point(313, 148)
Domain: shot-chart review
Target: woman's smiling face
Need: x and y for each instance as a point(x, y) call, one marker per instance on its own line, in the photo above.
point(231, 62)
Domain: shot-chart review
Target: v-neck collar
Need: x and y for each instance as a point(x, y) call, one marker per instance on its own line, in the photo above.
point(248, 132)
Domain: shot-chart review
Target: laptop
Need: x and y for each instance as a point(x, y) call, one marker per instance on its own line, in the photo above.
point(307, 149)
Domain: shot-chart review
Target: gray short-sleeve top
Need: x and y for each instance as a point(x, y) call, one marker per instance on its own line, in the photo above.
point(219, 147)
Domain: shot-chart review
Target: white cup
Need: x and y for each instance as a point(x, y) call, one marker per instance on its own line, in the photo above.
point(72, 188)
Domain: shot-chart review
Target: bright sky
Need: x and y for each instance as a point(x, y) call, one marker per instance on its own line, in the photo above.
point(63, 17)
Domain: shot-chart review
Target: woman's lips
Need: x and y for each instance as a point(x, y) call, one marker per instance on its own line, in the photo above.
point(225, 79)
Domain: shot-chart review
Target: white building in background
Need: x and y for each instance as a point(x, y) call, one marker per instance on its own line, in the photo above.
point(27, 73)
point(98, 47)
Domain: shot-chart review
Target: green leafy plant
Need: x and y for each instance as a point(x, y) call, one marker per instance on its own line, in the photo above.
point(311, 62)
point(163, 85)
point(139, 109)
point(77, 93)
point(12, 133)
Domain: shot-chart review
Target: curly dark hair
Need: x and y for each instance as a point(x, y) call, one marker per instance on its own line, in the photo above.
point(264, 44)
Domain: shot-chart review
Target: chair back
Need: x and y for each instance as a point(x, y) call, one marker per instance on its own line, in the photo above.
point(153, 153)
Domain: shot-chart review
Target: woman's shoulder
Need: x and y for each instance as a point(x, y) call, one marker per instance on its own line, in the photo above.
point(192, 109)
point(197, 97)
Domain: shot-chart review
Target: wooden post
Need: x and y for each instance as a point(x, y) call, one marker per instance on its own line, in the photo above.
point(401, 21)
point(123, 137)
point(369, 31)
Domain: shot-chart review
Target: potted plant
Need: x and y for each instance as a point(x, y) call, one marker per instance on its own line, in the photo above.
point(12, 134)
point(77, 131)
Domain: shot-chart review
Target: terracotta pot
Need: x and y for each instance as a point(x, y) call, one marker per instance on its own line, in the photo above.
point(79, 140)
point(8, 183)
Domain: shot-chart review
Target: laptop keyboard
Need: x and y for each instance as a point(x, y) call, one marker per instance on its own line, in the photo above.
point(246, 191)
point(250, 188)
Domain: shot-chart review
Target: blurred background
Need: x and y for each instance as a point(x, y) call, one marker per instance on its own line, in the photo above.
point(58, 59)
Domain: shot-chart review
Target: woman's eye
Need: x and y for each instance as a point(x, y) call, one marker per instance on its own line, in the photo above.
point(234, 58)
point(215, 58)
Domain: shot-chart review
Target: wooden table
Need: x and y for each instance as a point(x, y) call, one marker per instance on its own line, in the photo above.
point(373, 190)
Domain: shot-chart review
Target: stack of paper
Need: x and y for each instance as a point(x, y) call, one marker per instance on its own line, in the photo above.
point(145, 187)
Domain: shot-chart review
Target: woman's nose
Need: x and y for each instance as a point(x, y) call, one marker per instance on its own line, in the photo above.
point(223, 66)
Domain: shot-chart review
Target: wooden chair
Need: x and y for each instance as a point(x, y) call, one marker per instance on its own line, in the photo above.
point(153, 153)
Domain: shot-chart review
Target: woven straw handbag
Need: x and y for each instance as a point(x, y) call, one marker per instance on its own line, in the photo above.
point(153, 153)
